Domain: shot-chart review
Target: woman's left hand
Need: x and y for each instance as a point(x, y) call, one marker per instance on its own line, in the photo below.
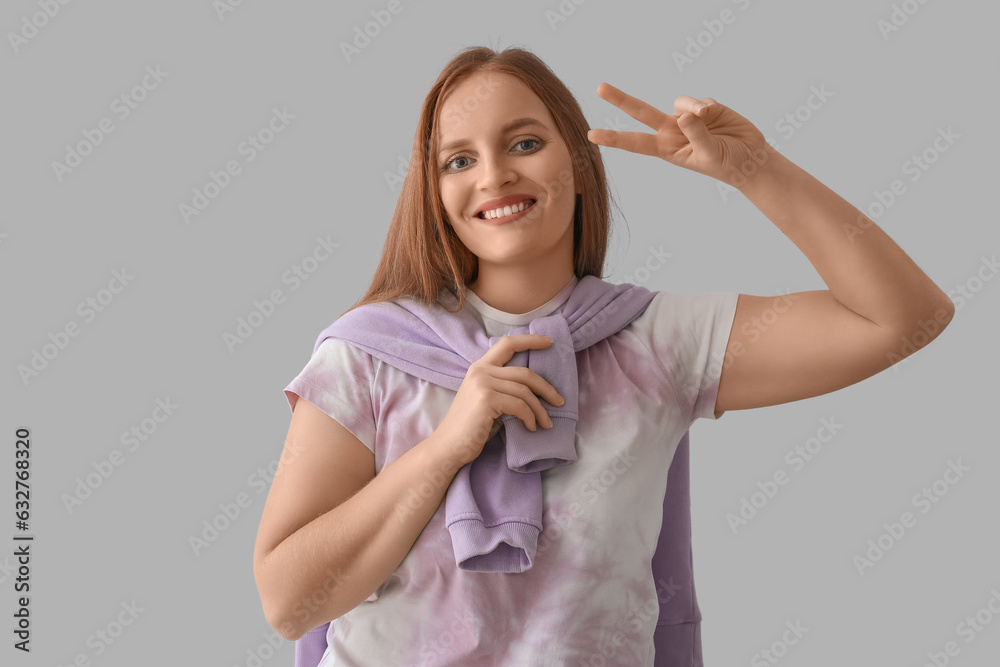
point(701, 135)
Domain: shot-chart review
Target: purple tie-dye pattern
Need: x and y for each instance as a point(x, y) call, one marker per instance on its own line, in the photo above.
point(601, 516)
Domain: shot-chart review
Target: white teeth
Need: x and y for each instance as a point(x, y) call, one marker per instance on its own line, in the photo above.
point(505, 211)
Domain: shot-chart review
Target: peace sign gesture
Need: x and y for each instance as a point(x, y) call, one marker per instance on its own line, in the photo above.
point(701, 135)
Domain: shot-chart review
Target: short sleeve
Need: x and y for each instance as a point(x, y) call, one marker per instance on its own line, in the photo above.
point(688, 335)
point(338, 380)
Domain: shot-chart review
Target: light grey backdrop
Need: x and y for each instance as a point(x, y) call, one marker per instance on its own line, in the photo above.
point(115, 113)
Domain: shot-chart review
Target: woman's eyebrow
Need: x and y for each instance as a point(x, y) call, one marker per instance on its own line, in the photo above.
point(509, 126)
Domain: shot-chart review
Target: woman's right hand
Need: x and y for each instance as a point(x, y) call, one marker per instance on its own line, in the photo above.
point(491, 389)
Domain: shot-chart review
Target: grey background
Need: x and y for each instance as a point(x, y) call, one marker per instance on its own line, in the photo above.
point(325, 175)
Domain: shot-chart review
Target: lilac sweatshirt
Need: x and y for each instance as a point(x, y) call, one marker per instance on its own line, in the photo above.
point(493, 505)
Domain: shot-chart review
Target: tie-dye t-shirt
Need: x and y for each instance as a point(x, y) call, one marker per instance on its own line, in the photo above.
point(587, 598)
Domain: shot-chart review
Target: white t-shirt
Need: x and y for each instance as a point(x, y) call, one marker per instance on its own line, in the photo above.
point(587, 598)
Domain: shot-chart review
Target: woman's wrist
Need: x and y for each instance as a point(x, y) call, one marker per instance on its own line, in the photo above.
point(765, 175)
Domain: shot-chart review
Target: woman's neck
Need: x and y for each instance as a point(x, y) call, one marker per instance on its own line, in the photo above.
point(518, 291)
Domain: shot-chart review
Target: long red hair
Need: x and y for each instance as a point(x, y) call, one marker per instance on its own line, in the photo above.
point(422, 254)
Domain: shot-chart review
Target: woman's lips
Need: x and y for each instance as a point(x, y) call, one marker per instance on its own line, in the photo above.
point(530, 204)
point(512, 217)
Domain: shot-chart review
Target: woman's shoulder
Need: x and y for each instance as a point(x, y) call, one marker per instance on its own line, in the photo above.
point(683, 320)
point(334, 352)
point(677, 306)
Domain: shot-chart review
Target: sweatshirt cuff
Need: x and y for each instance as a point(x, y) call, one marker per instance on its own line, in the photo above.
point(543, 449)
point(508, 547)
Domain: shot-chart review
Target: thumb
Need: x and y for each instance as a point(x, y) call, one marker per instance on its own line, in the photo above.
point(696, 132)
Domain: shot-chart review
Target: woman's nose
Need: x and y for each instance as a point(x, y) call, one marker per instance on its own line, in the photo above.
point(497, 170)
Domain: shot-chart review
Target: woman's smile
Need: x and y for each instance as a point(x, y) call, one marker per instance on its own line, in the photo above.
point(500, 216)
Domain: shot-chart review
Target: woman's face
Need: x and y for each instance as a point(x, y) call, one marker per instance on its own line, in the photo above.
point(479, 160)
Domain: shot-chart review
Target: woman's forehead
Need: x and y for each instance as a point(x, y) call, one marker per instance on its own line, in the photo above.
point(488, 100)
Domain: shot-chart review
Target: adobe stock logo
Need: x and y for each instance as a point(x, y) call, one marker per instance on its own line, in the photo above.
point(898, 17)
point(104, 468)
point(769, 488)
point(788, 124)
point(914, 167)
point(655, 260)
point(223, 7)
point(102, 639)
point(262, 310)
point(88, 310)
point(122, 107)
point(566, 8)
point(639, 619)
point(30, 27)
point(249, 149)
point(779, 648)
point(372, 29)
point(230, 511)
point(714, 28)
point(924, 500)
point(968, 628)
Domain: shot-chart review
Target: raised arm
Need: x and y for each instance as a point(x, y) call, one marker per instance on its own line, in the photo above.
point(879, 308)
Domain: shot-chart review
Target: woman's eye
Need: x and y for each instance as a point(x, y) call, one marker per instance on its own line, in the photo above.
point(450, 164)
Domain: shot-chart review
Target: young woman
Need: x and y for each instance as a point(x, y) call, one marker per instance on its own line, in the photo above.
point(501, 227)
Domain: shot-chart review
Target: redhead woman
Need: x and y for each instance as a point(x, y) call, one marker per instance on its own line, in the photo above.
point(477, 473)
